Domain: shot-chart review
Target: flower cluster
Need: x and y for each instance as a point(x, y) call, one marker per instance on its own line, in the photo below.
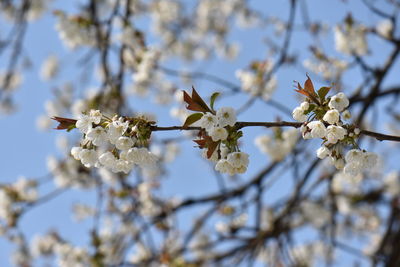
point(13, 197)
point(75, 31)
point(279, 145)
point(218, 135)
point(117, 144)
point(256, 82)
point(350, 38)
point(322, 117)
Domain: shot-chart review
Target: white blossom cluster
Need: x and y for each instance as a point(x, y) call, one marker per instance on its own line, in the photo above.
point(227, 160)
point(144, 73)
point(60, 106)
point(124, 138)
point(12, 9)
point(330, 68)
point(256, 84)
point(50, 68)
point(335, 135)
point(235, 162)
point(234, 223)
point(10, 80)
point(385, 28)
point(208, 28)
point(12, 197)
point(351, 39)
point(279, 145)
point(75, 31)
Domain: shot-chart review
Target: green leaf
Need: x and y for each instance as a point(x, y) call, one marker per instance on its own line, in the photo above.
point(71, 127)
point(192, 119)
point(310, 109)
point(213, 98)
point(322, 92)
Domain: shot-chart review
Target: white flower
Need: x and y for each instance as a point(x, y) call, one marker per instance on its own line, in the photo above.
point(305, 105)
point(238, 159)
point(10, 80)
point(75, 151)
point(385, 28)
point(392, 183)
point(208, 121)
point(226, 116)
point(357, 161)
point(26, 189)
point(305, 132)
point(97, 135)
point(218, 133)
point(335, 133)
point(331, 116)
point(354, 155)
point(247, 79)
point(88, 157)
point(298, 114)
point(43, 245)
point(277, 148)
point(352, 168)
point(346, 115)
point(223, 166)
point(370, 160)
point(323, 152)
point(95, 116)
point(115, 130)
point(84, 123)
point(318, 129)
point(107, 159)
point(339, 102)
point(352, 40)
point(339, 164)
point(124, 143)
point(121, 165)
point(214, 156)
point(141, 156)
point(49, 68)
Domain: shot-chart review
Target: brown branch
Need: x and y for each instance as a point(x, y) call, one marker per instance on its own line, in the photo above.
point(240, 125)
point(381, 137)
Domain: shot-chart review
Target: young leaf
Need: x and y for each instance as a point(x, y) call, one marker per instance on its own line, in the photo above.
point(322, 92)
point(191, 105)
point(211, 148)
point(308, 90)
point(192, 119)
point(201, 143)
point(65, 123)
point(198, 100)
point(308, 86)
point(213, 98)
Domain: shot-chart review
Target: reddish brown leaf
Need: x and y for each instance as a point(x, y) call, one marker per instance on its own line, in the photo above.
point(211, 148)
point(201, 143)
point(308, 90)
point(197, 99)
point(65, 123)
point(191, 104)
point(309, 87)
point(195, 102)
